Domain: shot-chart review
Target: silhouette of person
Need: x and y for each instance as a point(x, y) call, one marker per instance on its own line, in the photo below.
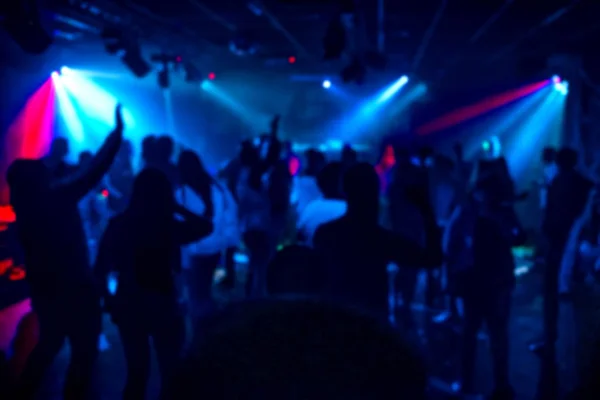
point(142, 245)
point(299, 349)
point(120, 179)
point(149, 151)
point(203, 195)
point(567, 196)
point(62, 287)
point(164, 150)
point(328, 207)
point(56, 158)
point(357, 250)
point(255, 210)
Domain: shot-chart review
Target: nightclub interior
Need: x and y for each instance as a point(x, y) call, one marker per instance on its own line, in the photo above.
point(471, 115)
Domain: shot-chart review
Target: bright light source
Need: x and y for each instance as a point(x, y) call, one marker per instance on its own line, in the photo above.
point(561, 86)
point(556, 79)
point(205, 85)
point(291, 59)
point(212, 76)
point(54, 74)
point(64, 70)
point(326, 84)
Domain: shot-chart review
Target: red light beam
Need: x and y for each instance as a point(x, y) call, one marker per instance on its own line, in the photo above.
point(482, 107)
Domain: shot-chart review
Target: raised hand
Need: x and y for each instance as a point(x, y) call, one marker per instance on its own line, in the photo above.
point(275, 125)
point(119, 125)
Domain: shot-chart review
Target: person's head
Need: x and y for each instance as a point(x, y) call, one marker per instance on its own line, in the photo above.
point(315, 161)
point(298, 349)
point(85, 158)
point(164, 148)
point(329, 180)
point(361, 189)
point(152, 196)
point(249, 154)
point(349, 155)
point(191, 167)
point(567, 159)
point(59, 149)
point(149, 149)
point(28, 181)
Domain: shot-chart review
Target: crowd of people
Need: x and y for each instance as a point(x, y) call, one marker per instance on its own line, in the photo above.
point(316, 320)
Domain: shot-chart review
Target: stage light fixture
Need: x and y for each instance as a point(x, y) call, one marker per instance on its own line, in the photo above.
point(326, 84)
point(21, 20)
point(115, 42)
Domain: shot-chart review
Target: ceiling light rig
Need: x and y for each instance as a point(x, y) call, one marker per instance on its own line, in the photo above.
point(117, 43)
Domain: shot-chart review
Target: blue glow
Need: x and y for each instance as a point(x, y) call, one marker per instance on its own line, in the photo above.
point(65, 70)
point(561, 87)
point(505, 123)
point(93, 101)
point(67, 111)
point(246, 114)
point(535, 133)
point(326, 84)
point(392, 90)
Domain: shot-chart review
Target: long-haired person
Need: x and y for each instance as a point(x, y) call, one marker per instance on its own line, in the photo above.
point(61, 284)
point(143, 246)
point(203, 195)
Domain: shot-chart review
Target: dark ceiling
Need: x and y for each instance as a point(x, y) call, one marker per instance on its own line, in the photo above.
point(456, 43)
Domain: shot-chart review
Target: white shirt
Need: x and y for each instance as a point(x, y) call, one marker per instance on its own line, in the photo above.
point(226, 231)
point(305, 190)
point(254, 205)
point(317, 213)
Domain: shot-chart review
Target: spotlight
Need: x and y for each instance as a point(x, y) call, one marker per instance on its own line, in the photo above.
point(556, 79)
point(64, 70)
point(54, 74)
point(212, 76)
point(562, 87)
point(326, 84)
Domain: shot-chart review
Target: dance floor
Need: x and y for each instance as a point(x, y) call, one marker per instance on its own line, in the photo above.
point(439, 344)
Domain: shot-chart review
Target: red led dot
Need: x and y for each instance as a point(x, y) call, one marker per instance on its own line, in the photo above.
point(212, 76)
point(178, 58)
point(291, 59)
point(104, 193)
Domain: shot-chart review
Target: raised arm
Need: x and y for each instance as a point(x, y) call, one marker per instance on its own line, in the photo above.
point(82, 183)
point(192, 228)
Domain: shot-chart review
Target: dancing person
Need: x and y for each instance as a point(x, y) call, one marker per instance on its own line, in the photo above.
point(203, 195)
point(305, 186)
point(255, 210)
point(479, 259)
point(566, 200)
point(62, 288)
point(56, 159)
point(357, 250)
point(328, 207)
point(142, 246)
